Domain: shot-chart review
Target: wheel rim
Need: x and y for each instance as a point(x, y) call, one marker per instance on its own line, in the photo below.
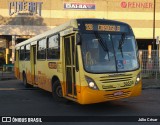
point(59, 91)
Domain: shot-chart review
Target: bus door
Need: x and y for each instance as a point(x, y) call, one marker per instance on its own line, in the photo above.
point(33, 63)
point(69, 53)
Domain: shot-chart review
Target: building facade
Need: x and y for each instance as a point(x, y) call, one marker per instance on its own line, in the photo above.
point(23, 19)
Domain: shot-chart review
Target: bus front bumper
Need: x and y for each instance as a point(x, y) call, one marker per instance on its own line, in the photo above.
point(89, 96)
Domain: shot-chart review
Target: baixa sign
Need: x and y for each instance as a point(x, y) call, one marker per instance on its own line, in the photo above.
point(80, 6)
point(25, 8)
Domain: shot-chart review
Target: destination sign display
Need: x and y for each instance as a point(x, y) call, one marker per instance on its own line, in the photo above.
point(105, 27)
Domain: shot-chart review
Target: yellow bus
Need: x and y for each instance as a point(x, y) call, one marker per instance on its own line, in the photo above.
point(84, 60)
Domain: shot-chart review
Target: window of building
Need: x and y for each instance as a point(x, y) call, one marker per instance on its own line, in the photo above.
point(53, 48)
point(41, 51)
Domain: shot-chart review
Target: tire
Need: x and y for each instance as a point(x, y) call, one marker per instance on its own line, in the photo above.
point(57, 92)
point(25, 81)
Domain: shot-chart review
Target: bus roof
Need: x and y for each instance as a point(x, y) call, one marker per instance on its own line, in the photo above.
point(69, 24)
point(100, 20)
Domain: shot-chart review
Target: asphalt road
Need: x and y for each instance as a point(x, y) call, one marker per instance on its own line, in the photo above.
point(16, 100)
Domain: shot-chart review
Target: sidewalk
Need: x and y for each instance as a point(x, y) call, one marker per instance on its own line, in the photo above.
point(6, 75)
point(151, 83)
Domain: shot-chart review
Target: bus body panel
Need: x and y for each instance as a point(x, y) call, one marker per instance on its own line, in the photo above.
point(44, 77)
point(87, 95)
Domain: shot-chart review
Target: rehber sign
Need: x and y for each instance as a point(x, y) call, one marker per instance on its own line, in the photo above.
point(83, 6)
point(144, 5)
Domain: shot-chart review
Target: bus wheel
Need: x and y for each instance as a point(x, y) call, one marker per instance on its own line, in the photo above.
point(57, 91)
point(25, 81)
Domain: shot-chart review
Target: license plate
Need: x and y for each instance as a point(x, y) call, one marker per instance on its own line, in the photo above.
point(118, 93)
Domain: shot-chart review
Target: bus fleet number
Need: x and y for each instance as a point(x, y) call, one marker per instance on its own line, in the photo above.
point(128, 83)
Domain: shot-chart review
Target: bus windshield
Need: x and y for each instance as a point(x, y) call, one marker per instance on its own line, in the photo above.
point(109, 52)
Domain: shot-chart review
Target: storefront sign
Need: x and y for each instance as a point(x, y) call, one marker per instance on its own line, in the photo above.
point(144, 5)
point(25, 8)
point(82, 6)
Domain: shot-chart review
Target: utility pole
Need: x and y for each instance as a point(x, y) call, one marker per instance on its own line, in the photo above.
point(154, 13)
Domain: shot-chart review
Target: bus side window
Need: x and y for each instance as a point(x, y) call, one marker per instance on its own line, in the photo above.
point(41, 50)
point(27, 52)
point(53, 48)
point(22, 53)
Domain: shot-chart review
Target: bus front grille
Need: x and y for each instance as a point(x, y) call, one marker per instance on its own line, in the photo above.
point(116, 78)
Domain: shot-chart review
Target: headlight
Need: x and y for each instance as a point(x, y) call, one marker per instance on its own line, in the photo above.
point(91, 83)
point(138, 78)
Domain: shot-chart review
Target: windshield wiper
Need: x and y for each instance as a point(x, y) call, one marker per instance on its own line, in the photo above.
point(102, 43)
point(121, 42)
